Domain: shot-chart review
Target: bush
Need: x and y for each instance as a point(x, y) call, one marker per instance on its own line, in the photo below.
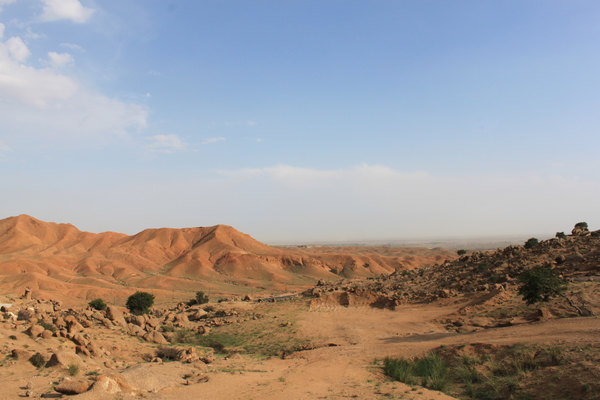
point(560, 235)
point(73, 369)
point(540, 284)
point(582, 225)
point(430, 371)
point(531, 243)
point(98, 304)
point(461, 252)
point(38, 360)
point(47, 326)
point(168, 353)
point(140, 302)
point(201, 298)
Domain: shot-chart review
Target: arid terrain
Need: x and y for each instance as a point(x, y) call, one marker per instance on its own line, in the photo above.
point(286, 322)
point(61, 262)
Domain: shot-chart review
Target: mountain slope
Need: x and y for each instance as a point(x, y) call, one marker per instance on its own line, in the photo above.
point(51, 257)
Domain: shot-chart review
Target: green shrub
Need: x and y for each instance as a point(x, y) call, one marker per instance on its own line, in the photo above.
point(531, 243)
point(168, 353)
point(582, 225)
point(201, 298)
point(430, 371)
point(461, 252)
point(140, 302)
point(560, 235)
point(540, 284)
point(47, 326)
point(434, 371)
point(37, 360)
point(483, 267)
point(98, 304)
point(399, 369)
point(73, 369)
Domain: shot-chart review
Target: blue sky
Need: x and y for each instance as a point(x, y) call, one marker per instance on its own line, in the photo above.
point(302, 120)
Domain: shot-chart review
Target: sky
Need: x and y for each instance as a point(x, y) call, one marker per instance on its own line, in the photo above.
point(302, 120)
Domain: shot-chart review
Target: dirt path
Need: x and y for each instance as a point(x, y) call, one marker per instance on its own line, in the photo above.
point(361, 335)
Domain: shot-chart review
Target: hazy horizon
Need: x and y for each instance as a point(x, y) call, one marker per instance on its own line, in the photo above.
point(302, 121)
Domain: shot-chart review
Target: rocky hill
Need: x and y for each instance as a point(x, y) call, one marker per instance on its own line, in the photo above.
point(60, 260)
point(489, 279)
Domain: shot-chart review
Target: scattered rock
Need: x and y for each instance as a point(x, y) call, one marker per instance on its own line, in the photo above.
point(73, 386)
point(34, 331)
point(63, 359)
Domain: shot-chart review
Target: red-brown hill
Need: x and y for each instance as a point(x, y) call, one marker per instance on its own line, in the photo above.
point(61, 261)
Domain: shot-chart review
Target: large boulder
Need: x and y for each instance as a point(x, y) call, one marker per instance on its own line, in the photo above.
point(135, 330)
point(20, 354)
point(155, 337)
point(63, 359)
point(73, 386)
point(116, 315)
point(197, 315)
point(34, 331)
point(109, 384)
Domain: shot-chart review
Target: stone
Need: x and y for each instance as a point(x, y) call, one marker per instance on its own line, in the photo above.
point(27, 294)
point(46, 334)
point(111, 384)
point(20, 354)
point(135, 330)
point(73, 386)
point(155, 337)
point(203, 330)
point(63, 359)
point(115, 315)
point(197, 315)
point(34, 331)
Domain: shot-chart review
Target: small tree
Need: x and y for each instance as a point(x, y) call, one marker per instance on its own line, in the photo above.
point(98, 304)
point(140, 302)
point(531, 243)
point(461, 252)
point(582, 225)
point(540, 284)
point(560, 235)
point(201, 298)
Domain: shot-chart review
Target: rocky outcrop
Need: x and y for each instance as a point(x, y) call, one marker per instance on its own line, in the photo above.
point(73, 386)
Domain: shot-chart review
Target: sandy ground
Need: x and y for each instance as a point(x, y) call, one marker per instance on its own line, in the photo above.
point(363, 335)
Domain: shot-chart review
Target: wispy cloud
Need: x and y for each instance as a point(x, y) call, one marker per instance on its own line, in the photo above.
point(45, 102)
point(232, 124)
point(213, 140)
point(59, 60)
point(71, 10)
point(4, 148)
point(166, 144)
point(5, 3)
point(72, 46)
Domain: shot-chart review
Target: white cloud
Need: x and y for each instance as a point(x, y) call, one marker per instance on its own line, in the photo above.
point(4, 148)
point(213, 140)
point(59, 60)
point(72, 46)
point(375, 201)
point(5, 3)
point(232, 124)
point(166, 144)
point(43, 102)
point(1, 30)
point(17, 49)
point(72, 10)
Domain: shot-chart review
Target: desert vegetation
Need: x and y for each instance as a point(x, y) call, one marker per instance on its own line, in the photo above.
point(529, 315)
